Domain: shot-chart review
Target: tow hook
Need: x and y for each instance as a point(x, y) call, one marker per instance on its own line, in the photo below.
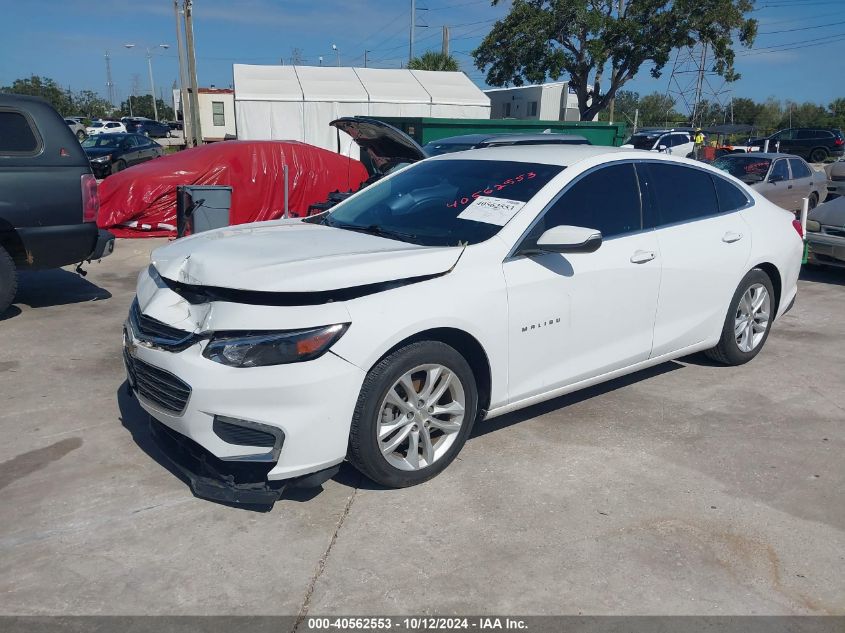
point(79, 271)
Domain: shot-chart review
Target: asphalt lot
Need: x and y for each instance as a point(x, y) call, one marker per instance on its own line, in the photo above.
point(685, 489)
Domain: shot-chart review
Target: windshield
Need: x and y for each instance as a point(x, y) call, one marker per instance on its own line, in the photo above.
point(747, 168)
point(102, 140)
point(642, 141)
point(444, 202)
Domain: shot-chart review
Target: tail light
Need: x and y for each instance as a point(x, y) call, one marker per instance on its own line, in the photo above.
point(839, 141)
point(90, 198)
point(796, 224)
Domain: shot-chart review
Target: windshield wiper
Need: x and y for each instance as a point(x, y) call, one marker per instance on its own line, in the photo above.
point(375, 229)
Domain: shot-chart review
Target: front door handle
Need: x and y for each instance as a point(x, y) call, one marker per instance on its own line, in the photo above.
point(730, 237)
point(641, 257)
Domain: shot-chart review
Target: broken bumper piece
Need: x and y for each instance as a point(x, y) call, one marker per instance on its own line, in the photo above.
point(238, 483)
point(232, 482)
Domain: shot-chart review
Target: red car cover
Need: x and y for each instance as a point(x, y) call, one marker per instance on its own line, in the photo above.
point(141, 201)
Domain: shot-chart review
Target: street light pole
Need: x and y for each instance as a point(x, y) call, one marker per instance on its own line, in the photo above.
point(337, 52)
point(152, 81)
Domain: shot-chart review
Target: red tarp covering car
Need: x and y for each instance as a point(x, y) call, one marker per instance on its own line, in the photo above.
point(141, 201)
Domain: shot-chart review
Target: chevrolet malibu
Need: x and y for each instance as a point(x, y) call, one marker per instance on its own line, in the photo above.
point(455, 290)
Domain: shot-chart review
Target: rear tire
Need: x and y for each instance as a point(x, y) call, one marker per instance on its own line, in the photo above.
point(747, 324)
point(402, 436)
point(819, 155)
point(8, 280)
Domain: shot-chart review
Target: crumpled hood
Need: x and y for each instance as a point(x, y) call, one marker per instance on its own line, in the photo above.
point(296, 256)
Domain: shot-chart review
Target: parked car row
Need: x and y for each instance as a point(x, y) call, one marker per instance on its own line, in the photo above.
point(111, 153)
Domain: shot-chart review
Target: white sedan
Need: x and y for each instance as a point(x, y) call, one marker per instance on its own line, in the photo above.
point(452, 291)
point(105, 127)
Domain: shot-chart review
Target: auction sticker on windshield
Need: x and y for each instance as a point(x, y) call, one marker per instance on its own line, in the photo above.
point(491, 210)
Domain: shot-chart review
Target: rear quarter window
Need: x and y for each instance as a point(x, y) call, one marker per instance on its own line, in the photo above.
point(17, 135)
point(730, 196)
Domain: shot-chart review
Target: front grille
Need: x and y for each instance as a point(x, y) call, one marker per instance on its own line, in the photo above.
point(241, 435)
point(161, 388)
point(152, 331)
point(835, 231)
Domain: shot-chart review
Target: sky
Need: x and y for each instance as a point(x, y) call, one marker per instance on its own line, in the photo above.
point(798, 55)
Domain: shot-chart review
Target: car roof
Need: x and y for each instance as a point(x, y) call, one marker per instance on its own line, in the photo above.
point(770, 155)
point(563, 155)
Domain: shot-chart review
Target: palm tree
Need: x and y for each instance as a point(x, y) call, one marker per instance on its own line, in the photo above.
point(433, 61)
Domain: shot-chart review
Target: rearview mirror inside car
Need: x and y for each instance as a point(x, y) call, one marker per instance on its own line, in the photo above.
point(569, 239)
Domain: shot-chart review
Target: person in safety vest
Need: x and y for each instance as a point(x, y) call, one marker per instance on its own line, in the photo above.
point(699, 143)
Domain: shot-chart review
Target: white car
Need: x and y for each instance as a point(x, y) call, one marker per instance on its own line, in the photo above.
point(105, 127)
point(674, 142)
point(454, 290)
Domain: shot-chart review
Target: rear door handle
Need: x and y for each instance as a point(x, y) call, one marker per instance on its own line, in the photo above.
point(731, 237)
point(641, 257)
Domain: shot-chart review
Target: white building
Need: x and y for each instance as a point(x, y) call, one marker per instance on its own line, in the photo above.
point(217, 112)
point(298, 102)
point(544, 102)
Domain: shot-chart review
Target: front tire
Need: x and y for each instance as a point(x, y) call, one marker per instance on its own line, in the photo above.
point(8, 280)
point(748, 322)
point(813, 201)
point(80, 136)
point(415, 411)
point(120, 165)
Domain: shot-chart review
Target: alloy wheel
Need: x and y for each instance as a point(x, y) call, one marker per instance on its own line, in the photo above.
point(420, 417)
point(752, 317)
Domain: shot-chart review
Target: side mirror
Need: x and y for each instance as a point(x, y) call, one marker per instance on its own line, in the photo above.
point(569, 239)
point(662, 148)
point(775, 178)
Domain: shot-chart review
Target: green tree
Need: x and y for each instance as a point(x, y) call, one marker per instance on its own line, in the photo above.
point(91, 105)
point(745, 110)
point(658, 109)
point(804, 115)
point(143, 106)
point(541, 39)
point(837, 113)
point(769, 116)
point(627, 102)
point(433, 61)
point(45, 88)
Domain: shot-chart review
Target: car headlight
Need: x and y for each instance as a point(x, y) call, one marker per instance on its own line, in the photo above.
point(259, 349)
point(813, 226)
point(101, 159)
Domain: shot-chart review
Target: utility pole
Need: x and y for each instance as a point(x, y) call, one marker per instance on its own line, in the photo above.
point(413, 28)
point(152, 83)
point(444, 46)
point(621, 9)
point(192, 71)
point(187, 127)
point(109, 82)
point(366, 52)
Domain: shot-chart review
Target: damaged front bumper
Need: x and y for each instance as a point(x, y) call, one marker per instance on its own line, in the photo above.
point(212, 478)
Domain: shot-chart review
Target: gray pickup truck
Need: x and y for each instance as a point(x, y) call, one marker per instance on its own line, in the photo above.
point(48, 195)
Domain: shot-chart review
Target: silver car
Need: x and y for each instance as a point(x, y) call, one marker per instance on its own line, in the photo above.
point(782, 178)
point(836, 177)
point(826, 234)
point(77, 128)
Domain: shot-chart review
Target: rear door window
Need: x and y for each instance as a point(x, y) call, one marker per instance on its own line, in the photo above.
point(799, 168)
point(16, 134)
point(680, 193)
point(607, 199)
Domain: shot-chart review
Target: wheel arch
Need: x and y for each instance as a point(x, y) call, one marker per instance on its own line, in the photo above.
point(774, 276)
point(467, 346)
point(11, 241)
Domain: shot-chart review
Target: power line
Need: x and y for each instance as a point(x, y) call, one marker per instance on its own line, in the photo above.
point(803, 28)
